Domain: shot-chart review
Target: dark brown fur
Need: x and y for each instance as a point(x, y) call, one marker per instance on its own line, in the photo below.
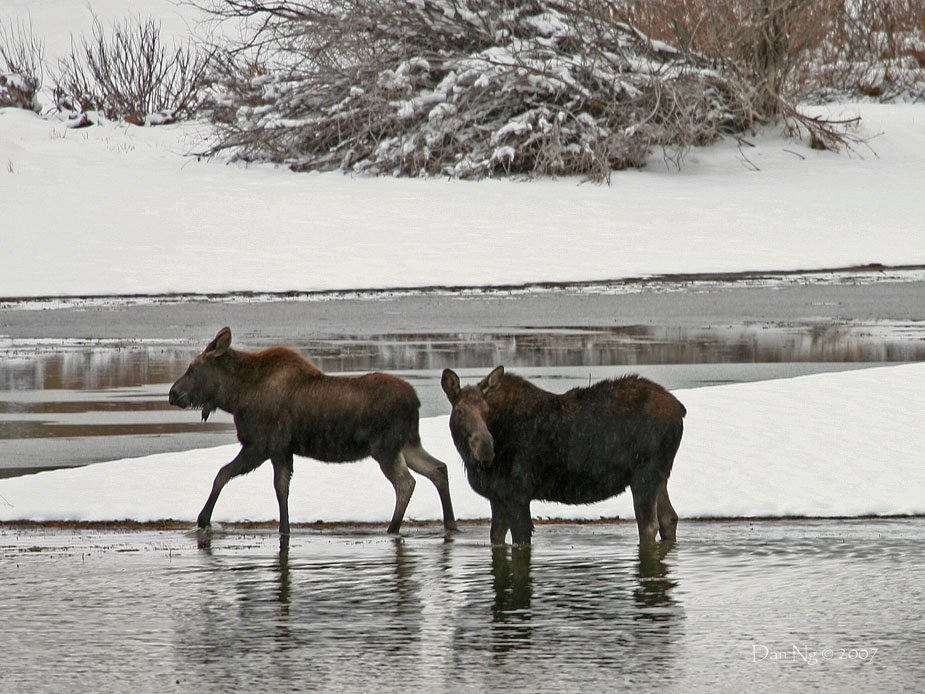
point(520, 443)
point(283, 405)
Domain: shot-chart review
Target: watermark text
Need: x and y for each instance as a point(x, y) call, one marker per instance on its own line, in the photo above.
point(804, 654)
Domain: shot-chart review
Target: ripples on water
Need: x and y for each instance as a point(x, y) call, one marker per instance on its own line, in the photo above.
point(354, 610)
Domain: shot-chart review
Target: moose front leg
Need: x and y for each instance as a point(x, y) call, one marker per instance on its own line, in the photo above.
point(499, 525)
point(282, 474)
point(248, 459)
point(518, 515)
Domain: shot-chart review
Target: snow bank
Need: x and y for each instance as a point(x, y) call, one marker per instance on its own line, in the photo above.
point(116, 209)
point(842, 444)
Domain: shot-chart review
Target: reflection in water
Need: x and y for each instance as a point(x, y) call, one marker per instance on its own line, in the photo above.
point(91, 367)
point(83, 366)
point(654, 590)
point(383, 611)
point(284, 581)
point(510, 570)
point(351, 610)
point(599, 606)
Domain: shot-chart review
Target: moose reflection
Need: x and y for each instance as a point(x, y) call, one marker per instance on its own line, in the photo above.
point(520, 443)
point(283, 405)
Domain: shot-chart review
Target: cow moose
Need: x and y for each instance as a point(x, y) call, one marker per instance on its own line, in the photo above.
point(519, 442)
point(283, 405)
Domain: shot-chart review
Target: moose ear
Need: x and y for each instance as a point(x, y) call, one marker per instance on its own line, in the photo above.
point(491, 381)
point(450, 383)
point(220, 344)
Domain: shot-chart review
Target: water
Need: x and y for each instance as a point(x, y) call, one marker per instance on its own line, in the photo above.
point(68, 402)
point(735, 606)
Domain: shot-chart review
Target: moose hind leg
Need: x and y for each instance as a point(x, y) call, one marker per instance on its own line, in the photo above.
point(247, 460)
point(425, 464)
point(646, 508)
point(282, 474)
point(396, 471)
point(667, 516)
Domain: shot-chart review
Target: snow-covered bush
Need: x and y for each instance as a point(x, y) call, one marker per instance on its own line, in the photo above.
point(463, 88)
point(21, 67)
point(127, 73)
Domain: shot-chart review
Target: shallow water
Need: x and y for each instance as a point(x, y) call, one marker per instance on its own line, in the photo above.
point(734, 606)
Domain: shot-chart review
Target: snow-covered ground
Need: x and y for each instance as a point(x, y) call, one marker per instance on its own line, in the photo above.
point(117, 209)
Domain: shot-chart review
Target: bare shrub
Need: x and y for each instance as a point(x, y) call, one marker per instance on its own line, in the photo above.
point(790, 50)
point(21, 66)
point(764, 45)
point(465, 88)
point(129, 74)
point(783, 52)
point(876, 49)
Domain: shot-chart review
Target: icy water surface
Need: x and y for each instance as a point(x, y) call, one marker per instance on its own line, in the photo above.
point(735, 606)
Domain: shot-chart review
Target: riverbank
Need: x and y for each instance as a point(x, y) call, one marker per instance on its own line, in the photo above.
point(176, 224)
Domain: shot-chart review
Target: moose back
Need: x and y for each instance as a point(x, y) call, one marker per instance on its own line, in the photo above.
point(520, 442)
point(283, 405)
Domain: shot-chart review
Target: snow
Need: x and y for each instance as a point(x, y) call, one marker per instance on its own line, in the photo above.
point(132, 214)
point(115, 210)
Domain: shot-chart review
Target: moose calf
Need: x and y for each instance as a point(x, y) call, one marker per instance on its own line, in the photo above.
point(283, 406)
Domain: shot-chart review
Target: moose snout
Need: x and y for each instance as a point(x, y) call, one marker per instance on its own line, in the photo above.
point(177, 397)
point(482, 448)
